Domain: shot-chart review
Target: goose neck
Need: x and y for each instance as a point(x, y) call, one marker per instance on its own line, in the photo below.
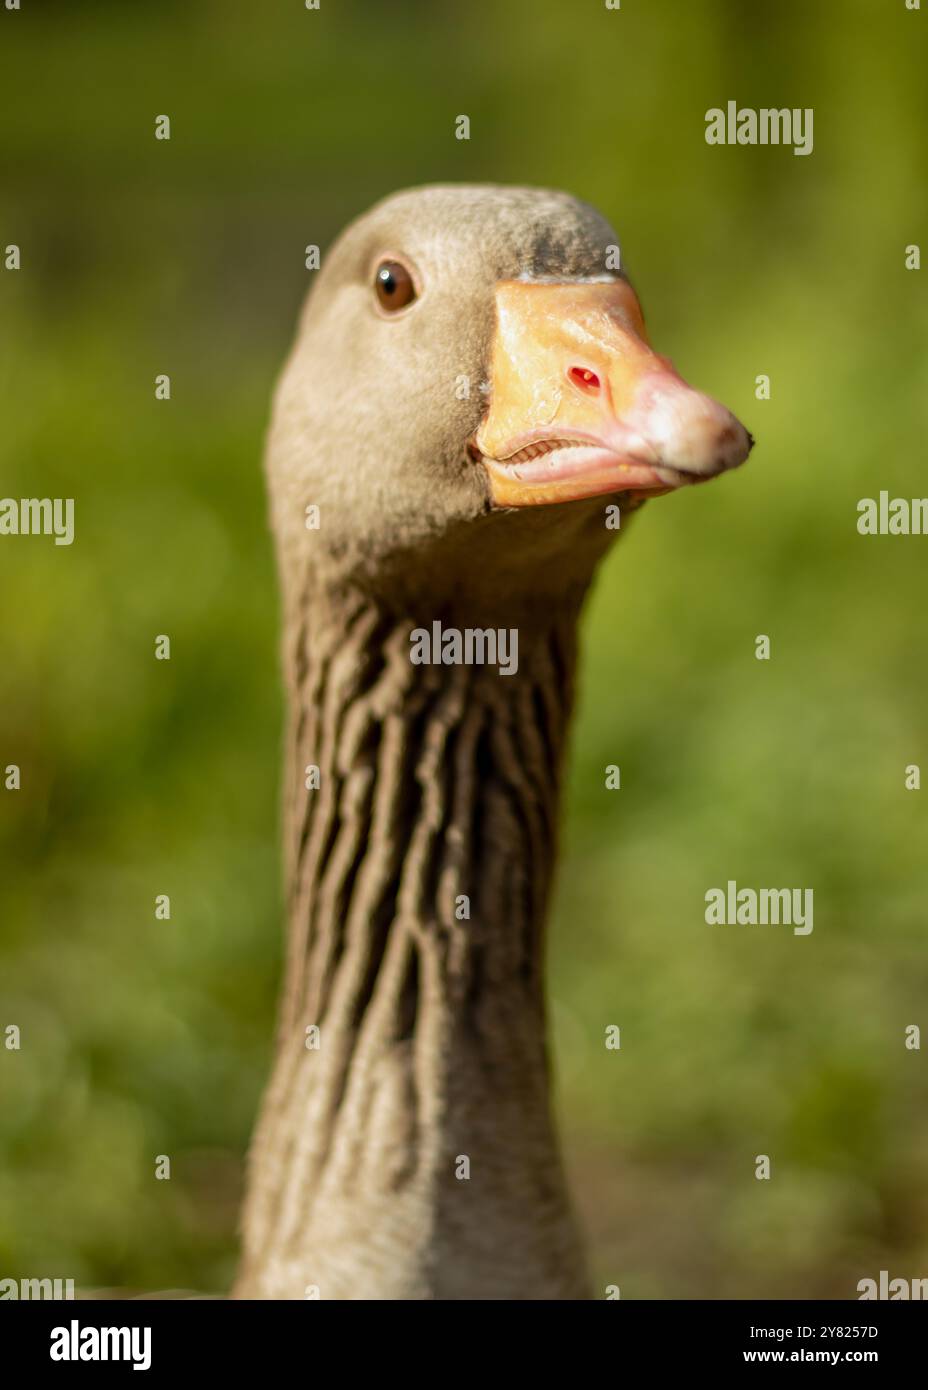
point(410, 1100)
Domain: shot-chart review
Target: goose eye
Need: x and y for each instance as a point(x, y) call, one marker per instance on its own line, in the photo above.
point(393, 286)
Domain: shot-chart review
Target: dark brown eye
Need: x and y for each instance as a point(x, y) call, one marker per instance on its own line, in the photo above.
point(393, 286)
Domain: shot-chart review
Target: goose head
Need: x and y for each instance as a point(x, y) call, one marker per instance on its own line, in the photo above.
point(469, 386)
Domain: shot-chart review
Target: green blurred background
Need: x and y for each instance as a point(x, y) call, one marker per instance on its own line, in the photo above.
point(141, 777)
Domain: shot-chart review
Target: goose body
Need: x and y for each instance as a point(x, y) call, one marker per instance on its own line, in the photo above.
point(469, 389)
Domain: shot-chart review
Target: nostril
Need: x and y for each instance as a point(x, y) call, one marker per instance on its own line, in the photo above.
point(584, 379)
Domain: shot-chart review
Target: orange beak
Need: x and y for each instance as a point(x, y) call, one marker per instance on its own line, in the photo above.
point(580, 405)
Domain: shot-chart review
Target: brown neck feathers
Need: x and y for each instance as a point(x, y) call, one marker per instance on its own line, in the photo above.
point(405, 1147)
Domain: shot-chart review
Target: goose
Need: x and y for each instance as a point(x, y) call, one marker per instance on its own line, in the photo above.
point(470, 391)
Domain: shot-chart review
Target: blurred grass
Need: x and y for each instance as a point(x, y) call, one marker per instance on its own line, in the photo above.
point(140, 777)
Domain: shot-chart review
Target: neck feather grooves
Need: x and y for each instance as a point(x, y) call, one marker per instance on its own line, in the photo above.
point(436, 782)
point(418, 875)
